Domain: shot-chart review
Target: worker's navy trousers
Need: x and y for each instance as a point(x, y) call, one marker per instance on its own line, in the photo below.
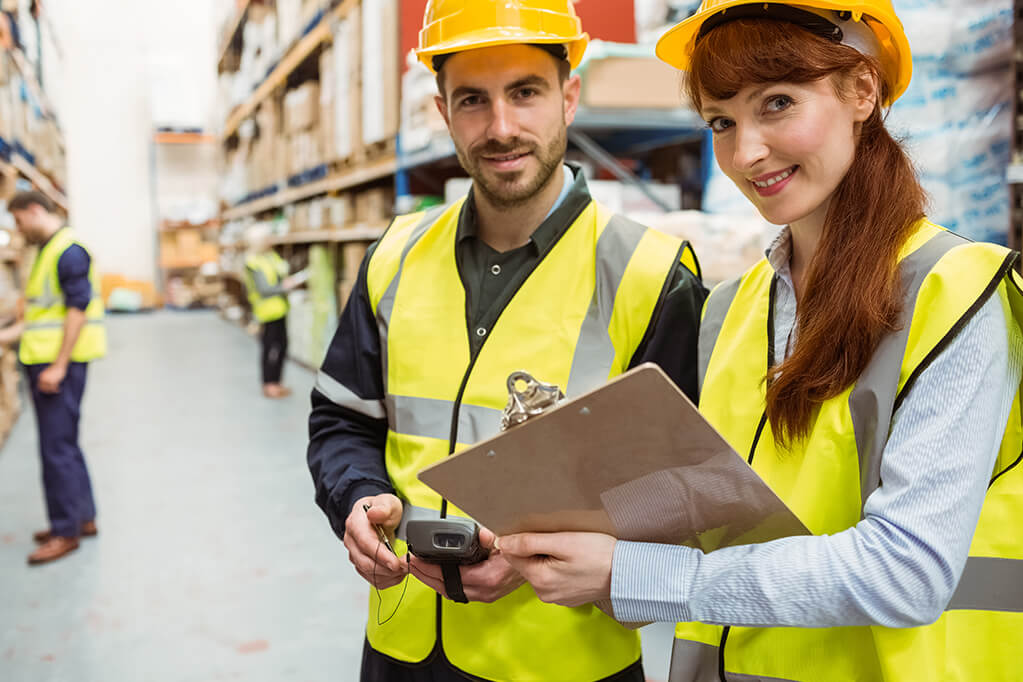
point(69, 500)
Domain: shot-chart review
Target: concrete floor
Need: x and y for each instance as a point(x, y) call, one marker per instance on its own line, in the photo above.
point(213, 562)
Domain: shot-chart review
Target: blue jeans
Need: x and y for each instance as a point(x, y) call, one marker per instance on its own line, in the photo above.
point(66, 482)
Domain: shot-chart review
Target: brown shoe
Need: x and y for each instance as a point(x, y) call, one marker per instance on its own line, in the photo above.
point(53, 549)
point(89, 530)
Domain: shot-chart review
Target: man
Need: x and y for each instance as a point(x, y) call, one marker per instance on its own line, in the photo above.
point(268, 284)
point(63, 331)
point(527, 272)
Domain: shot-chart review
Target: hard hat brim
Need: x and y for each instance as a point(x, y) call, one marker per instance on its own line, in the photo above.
point(676, 45)
point(496, 36)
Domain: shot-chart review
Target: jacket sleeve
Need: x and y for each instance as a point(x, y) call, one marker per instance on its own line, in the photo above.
point(263, 287)
point(671, 339)
point(73, 275)
point(348, 422)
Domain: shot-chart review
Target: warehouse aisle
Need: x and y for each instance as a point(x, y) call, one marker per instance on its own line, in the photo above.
point(213, 563)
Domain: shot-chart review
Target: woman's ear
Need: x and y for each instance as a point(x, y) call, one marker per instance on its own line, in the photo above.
point(865, 93)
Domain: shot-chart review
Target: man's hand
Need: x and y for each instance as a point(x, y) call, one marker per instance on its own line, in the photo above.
point(486, 581)
point(368, 554)
point(51, 378)
point(570, 569)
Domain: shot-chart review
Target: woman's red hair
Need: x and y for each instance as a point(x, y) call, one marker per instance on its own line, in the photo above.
point(852, 293)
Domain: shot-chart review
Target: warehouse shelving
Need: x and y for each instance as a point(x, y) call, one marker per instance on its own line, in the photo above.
point(235, 23)
point(360, 175)
point(291, 60)
point(358, 233)
point(43, 183)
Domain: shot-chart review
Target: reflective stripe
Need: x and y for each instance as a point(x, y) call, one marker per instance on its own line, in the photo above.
point(872, 400)
point(693, 662)
point(739, 677)
point(411, 512)
point(386, 305)
point(341, 395)
point(594, 351)
point(59, 324)
point(989, 584)
point(431, 418)
point(718, 303)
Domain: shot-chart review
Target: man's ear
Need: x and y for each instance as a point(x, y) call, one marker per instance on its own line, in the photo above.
point(572, 90)
point(442, 107)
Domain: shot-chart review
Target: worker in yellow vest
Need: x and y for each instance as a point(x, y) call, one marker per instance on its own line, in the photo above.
point(62, 333)
point(868, 369)
point(268, 283)
point(527, 272)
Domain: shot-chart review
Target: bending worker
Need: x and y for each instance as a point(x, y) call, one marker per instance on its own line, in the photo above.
point(267, 281)
point(869, 369)
point(526, 272)
point(63, 332)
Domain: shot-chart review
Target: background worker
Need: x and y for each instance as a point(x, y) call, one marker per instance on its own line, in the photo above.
point(62, 332)
point(869, 369)
point(526, 272)
point(267, 281)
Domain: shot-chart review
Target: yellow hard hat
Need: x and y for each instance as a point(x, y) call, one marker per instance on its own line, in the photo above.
point(871, 26)
point(457, 25)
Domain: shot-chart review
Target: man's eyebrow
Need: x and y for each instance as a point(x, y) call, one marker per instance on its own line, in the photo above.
point(532, 80)
point(464, 90)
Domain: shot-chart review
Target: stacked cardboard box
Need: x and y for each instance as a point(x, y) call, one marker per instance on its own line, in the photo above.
point(341, 93)
point(10, 404)
point(302, 127)
point(381, 68)
point(374, 206)
point(184, 248)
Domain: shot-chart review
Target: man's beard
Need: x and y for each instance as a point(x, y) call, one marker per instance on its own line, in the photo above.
point(509, 194)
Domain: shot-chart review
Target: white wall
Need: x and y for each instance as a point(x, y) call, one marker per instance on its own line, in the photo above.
point(114, 52)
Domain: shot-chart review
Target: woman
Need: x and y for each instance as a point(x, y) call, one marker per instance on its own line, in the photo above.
point(869, 368)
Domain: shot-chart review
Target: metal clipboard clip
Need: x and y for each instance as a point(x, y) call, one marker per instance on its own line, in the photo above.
point(536, 398)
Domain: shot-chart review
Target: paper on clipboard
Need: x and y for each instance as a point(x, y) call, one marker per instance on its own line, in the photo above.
point(633, 459)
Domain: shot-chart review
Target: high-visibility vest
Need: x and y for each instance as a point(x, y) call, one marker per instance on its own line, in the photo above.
point(826, 479)
point(274, 269)
point(576, 321)
point(45, 310)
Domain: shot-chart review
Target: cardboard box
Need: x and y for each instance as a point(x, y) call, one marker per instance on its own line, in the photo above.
point(374, 205)
point(631, 82)
point(347, 87)
point(302, 107)
point(381, 69)
point(340, 211)
point(352, 256)
point(344, 291)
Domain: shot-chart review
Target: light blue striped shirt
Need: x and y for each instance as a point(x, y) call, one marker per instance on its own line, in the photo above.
point(900, 565)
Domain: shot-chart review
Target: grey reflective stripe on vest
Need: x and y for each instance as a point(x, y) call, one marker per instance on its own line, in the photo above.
point(58, 324)
point(989, 584)
point(386, 305)
point(594, 350)
point(718, 304)
point(693, 662)
point(410, 512)
point(341, 395)
point(48, 298)
point(872, 400)
point(431, 418)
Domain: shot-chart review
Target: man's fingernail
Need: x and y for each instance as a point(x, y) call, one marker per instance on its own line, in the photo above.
point(497, 544)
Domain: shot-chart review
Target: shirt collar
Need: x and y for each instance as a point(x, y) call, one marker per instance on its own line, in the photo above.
point(779, 255)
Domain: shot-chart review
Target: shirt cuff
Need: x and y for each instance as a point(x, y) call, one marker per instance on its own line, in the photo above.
point(649, 581)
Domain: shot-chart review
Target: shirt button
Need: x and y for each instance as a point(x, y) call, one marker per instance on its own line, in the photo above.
point(481, 332)
point(495, 270)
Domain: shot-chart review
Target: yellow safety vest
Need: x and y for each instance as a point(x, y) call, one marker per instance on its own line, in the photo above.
point(45, 310)
point(827, 479)
point(273, 268)
point(576, 322)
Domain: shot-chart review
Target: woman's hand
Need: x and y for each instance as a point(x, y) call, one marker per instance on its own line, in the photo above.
point(570, 569)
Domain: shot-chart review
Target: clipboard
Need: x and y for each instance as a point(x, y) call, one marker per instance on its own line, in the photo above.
point(633, 459)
